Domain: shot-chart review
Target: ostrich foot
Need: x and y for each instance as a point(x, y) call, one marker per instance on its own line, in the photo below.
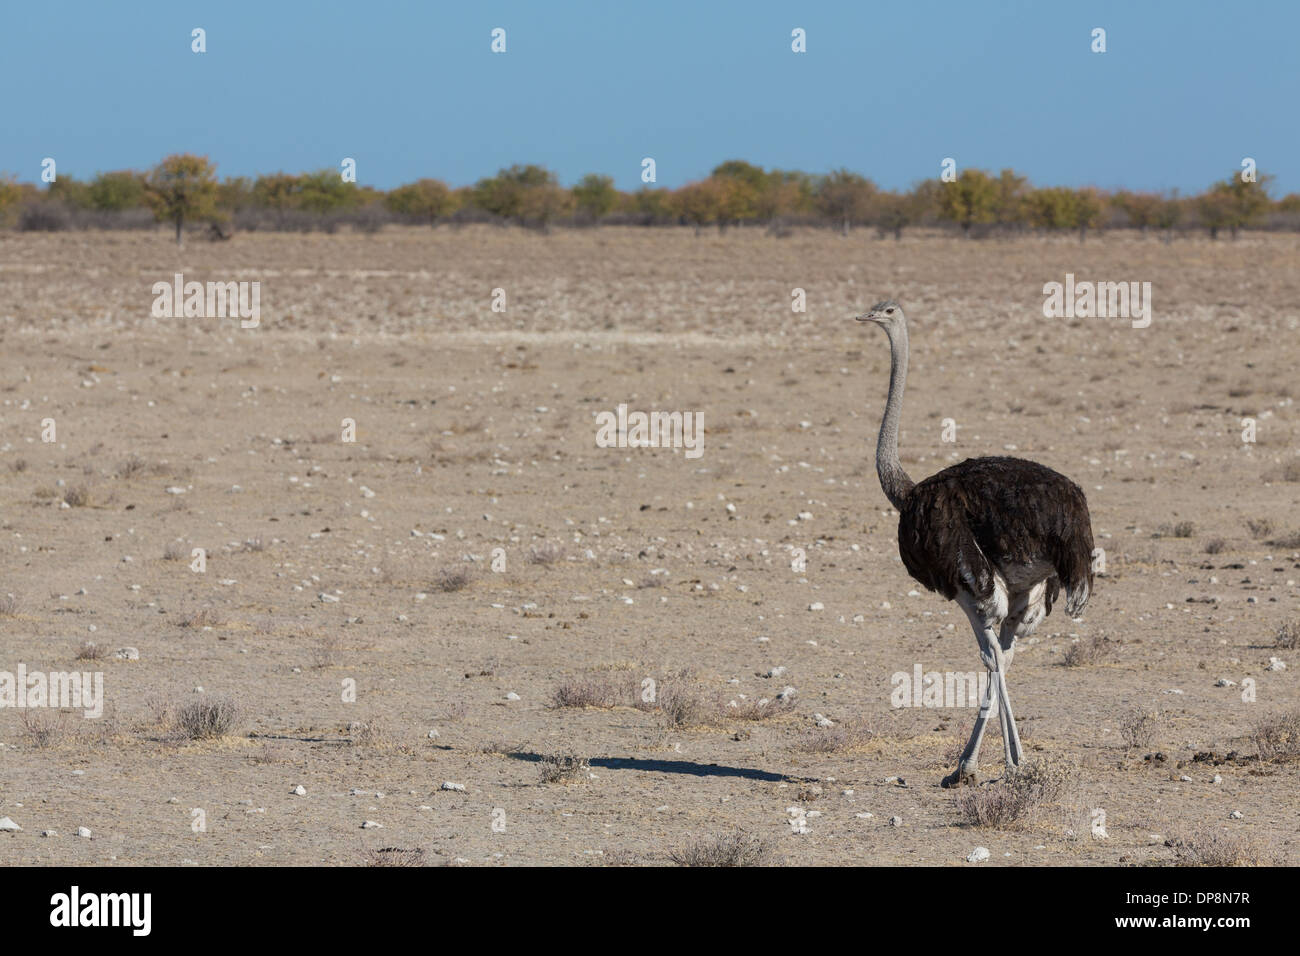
point(961, 777)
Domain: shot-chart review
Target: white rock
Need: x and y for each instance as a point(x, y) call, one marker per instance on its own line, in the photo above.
point(83, 832)
point(372, 825)
point(127, 654)
point(817, 606)
point(513, 696)
point(332, 599)
point(895, 821)
point(1235, 815)
point(1275, 664)
point(7, 824)
point(448, 785)
point(299, 790)
point(978, 855)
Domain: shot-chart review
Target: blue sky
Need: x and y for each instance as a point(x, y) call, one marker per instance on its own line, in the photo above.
point(410, 89)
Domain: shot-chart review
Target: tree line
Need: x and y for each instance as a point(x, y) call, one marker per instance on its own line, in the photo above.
point(183, 190)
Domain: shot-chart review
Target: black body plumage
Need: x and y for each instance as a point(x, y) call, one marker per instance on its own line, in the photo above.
point(1005, 514)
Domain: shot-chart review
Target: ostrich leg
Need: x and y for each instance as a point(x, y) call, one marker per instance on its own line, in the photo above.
point(968, 765)
point(1010, 736)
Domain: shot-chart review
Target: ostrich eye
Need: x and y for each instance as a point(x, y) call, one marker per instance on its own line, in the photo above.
point(889, 311)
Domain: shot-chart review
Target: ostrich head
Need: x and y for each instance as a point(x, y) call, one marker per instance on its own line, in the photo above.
point(888, 315)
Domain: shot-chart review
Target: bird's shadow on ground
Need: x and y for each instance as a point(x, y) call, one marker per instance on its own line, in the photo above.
point(687, 767)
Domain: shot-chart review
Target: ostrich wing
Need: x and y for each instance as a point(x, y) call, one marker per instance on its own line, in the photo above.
point(1014, 517)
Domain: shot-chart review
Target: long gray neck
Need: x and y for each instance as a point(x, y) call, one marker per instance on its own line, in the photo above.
point(893, 480)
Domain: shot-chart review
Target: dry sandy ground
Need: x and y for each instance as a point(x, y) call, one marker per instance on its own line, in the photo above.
point(476, 431)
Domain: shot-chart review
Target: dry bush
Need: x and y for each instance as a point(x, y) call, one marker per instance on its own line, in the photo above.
point(1288, 636)
point(210, 716)
point(271, 752)
point(132, 466)
point(78, 496)
point(395, 856)
point(370, 734)
point(1259, 527)
point(546, 554)
point(564, 768)
point(734, 849)
point(684, 703)
point(326, 652)
point(1181, 529)
point(1138, 727)
point(18, 465)
point(203, 617)
point(756, 708)
point(1018, 797)
point(42, 728)
point(90, 651)
point(1086, 651)
point(1290, 539)
point(1277, 737)
point(451, 579)
point(1215, 847)
point(595, 691)
point(829, 740)
point(1215, 546)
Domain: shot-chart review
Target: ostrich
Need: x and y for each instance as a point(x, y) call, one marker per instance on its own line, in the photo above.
point(1002, 536)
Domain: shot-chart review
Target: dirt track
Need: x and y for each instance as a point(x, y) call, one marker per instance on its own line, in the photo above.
point(475, 431)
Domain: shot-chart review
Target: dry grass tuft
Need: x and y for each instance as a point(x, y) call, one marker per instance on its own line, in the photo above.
point(1086, 651)
point(564, 768)
point(8, 605)
point(451, 579)
point(208, 717)
point(370, 734)
point(837, 739)
point(546, 554)
point(1018, 798)
point(1215, 847)
point(734, 849)
point(395, 856)
point(90, 651)
point(1277, 737)
point(1259, 527)
point(595, 691)
point(1288, 636)
point(203, 617)
point(77, 496)
point(1138, 727)
point(42, 728)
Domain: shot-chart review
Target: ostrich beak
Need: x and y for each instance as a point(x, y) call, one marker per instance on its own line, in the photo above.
point(864, 317)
